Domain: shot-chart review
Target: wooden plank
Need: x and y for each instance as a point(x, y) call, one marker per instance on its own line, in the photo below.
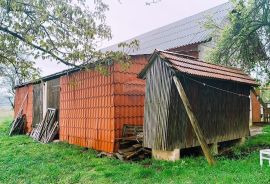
point(18, 114)
point(37, 104)
point(194, 122)
point(53, 94)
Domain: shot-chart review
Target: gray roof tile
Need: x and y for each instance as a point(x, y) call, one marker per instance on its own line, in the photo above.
point(187, 31)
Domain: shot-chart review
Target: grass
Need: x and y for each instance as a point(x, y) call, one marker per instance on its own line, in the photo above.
point(23, 160)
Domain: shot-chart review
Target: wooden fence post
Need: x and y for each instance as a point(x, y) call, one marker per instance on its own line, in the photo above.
point(194, 122)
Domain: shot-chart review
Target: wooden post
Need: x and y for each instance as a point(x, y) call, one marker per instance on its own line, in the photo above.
point(194, 122)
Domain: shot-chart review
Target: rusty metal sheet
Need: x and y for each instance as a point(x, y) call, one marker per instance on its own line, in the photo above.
point(191, 66)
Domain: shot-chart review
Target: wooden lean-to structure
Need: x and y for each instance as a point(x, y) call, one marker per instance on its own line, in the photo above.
point(218, 96)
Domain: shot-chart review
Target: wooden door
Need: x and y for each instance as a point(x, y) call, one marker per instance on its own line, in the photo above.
point(53, 94)
point(37, 104)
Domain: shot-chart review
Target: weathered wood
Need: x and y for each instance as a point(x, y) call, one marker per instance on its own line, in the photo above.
point(18, 125)
point(18, 114)
point(222, 116)
point(157, 120)
point(132, 154)
point(47, 128)
point(194, 122)
point(45, 98)
point(53, 93)
point(37, 104)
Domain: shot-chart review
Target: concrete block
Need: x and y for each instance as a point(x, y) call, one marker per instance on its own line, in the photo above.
point(166, 155)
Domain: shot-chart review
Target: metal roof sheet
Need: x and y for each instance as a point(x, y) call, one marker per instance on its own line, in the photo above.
point(187, 31)
point(192, 66)
point(203, 69)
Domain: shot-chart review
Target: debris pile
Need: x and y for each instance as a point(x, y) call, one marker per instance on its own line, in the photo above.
point(18, 125)
point(130, 145)
point(47, 129)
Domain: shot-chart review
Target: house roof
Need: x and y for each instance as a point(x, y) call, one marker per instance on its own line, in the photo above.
point(190, 30)
point(50, 77)
point(62, 73)
point(191, 66)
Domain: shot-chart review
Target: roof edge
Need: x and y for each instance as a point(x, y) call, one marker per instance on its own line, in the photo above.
point(142, 73)
point(158, 53)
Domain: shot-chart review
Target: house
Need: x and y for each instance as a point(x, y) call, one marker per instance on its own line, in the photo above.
point(92, 107)
point(218, 95)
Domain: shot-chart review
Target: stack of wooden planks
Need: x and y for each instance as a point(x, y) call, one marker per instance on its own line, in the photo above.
point(18, 125)
point(130, 145)
point(47, 129)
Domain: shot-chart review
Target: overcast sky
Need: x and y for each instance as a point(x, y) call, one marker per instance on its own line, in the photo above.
point(132, 17)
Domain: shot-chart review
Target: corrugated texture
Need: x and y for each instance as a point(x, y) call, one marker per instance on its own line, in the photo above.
point(256, 108)
point(28, 104)
point(128, 95)
point(183, 32)
point(94, 107)
point(86, 110)
point(222, 116)
point(203, 69)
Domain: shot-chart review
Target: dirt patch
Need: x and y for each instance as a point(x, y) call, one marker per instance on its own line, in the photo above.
point(245, 152)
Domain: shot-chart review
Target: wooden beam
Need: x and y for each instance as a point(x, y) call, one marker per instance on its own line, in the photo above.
point(194, 122)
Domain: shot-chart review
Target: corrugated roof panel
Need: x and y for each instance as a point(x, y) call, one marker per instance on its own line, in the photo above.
point(187, 31)
point(203, 69)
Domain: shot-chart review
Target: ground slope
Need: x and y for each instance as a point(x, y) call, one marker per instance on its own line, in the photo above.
point(24, 161)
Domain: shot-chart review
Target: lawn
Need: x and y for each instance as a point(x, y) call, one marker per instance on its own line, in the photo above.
point(23, 160)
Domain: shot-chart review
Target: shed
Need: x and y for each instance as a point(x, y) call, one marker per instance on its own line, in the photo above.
point(219, 97)
point(93, 108)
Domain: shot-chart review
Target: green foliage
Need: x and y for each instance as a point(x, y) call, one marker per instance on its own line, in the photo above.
point(245, 41)
point(68, 31)
point(23, 160)
point(63, 30)
point(265, 93)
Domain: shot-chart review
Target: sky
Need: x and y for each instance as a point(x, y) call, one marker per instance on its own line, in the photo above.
point(129, 18)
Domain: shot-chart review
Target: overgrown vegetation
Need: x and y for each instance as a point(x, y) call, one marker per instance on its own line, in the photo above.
point(244, 41)
point(24, 161)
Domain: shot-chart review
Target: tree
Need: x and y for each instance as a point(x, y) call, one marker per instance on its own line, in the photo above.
point(67, 31)
point(64, 30)
point(245, 41)
point(14, 73)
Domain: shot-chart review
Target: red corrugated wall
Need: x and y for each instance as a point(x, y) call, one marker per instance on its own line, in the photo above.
point(128, 96)
point(28, 104)
point(86, 110)
point(94, 107)
point(256, 108)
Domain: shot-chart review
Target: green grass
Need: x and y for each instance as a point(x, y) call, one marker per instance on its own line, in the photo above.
point(23, 160)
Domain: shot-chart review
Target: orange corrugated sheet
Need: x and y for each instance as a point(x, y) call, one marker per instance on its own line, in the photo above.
point(256, 108)
point(86, 110)
point(129, 96)
point(94, 107)
point(27, 106)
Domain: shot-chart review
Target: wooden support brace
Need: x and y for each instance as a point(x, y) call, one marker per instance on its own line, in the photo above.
point(194, 122)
